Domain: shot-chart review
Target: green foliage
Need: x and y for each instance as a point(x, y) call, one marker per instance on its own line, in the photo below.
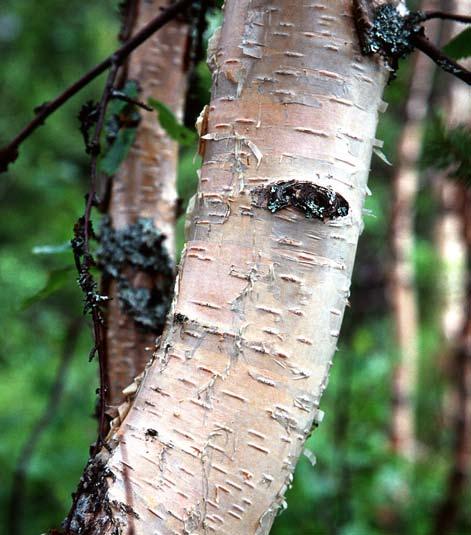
point(460, 46)
point(43, 47)
point(121, 129)
point(56, 280)
point(448, 149)
point(170, 124)
point(118, 151)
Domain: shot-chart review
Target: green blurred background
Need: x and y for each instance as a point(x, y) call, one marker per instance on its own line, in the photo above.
point(358, 487)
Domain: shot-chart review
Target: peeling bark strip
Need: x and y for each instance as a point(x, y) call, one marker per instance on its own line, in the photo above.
point(234, 388)
point(145, 190)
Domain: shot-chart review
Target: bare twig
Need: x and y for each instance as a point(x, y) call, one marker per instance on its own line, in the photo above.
point(129, 12)
point(442, 60)
point(18, 490)
point(428, 15)
point(9, 153)
point(122, 96)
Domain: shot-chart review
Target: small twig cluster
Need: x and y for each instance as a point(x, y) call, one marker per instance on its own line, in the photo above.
point(9, 153)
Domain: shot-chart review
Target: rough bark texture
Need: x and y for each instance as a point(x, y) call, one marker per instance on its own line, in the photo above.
point(220, 419)
point(145, 187)
point(403, 292)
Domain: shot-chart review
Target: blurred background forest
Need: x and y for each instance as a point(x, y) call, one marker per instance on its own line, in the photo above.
point(365, 481)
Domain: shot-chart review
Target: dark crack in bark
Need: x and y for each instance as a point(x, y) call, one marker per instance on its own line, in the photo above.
point(315, 202)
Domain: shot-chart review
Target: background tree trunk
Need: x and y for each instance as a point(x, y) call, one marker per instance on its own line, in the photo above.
point(403, 292)
point(447, 512)
point(454, 241)
point(213, 436)
point(450, 239)
point(145, 187)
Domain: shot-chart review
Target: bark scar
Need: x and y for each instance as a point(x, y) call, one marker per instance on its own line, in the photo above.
point(315, 202)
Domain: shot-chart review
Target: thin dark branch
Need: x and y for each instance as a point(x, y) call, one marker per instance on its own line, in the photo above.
point(84, 261)
point(428, 15)
point(9, 153)
point(129, 11)
point(18, 490)
point(441, 59)
point(122, 96)
point(97, 320)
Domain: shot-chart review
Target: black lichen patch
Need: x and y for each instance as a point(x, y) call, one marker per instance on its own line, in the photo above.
point(180, 318)
point(138, 248)
point(125, 508)
point(152, 433)
point(389, 33)
point(315, 202)
point(90, 501)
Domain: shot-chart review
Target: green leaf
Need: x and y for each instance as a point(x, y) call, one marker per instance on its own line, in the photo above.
point(56, 280)
point(448, 149)
point(460, 46)
point(170, 124)
point(118, 151)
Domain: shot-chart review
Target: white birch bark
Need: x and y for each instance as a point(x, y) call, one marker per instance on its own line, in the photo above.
point(220, 419)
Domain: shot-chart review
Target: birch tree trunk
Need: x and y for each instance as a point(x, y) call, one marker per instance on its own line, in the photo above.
point(213, 436)
point(403, 292)
point(145, 187)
